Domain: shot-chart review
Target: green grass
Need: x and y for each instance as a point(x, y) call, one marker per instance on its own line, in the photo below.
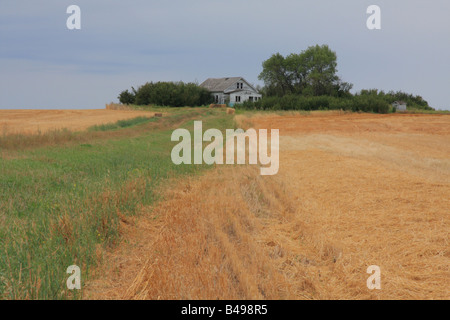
point(122, 124)
point(59, 204)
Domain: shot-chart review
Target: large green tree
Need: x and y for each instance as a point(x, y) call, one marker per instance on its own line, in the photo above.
point(275, 76)
point(311, 72)
point(321, 67)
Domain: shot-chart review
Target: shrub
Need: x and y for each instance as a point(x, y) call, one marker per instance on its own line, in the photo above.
point(126, 97)
point(174, 94)
point(412, 101)
point(308, 103)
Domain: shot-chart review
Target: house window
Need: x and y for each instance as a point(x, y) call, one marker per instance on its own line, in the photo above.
point(238, 98)
point(237, 87)
point(250, 98)
point(242, 85)
point(217, 99)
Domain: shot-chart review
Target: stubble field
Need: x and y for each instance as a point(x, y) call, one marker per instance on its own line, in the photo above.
point(353, 190)
point(34, 121)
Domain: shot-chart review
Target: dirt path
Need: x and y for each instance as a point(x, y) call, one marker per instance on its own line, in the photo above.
point(352, 191)
point(33, 121)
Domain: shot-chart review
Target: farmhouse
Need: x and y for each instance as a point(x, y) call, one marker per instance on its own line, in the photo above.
point(399, 105)
point(231, 90)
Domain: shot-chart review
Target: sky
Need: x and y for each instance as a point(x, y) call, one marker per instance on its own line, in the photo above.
point(121, 44)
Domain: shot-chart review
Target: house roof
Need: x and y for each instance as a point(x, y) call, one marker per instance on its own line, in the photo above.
point(219, 84)
point(243, 90)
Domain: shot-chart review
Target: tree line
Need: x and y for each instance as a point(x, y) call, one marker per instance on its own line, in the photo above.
point(365, 101)
point(309, 81)
point(299, 81)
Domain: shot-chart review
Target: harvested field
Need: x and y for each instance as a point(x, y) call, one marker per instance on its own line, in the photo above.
point(353, 190)
point(34, 121)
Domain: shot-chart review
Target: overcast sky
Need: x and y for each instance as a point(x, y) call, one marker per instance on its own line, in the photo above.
point(127, 43)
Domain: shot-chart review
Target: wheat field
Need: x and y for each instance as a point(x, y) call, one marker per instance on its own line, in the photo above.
point(353, 190)
point(41, 121)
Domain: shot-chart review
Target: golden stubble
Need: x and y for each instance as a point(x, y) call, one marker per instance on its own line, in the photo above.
point(352, 191)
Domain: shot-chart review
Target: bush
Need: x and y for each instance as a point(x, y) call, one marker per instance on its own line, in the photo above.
point(174, 94)
point(365, 101)
point(412, 101)
point(126, 97)
point(300, 102)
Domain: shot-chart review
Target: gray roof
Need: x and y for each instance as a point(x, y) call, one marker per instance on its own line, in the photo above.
point(220, 84)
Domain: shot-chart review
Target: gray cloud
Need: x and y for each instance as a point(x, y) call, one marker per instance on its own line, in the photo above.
point(127, 43)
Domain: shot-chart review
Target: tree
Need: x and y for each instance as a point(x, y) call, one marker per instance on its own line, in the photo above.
point(126, 97)
point(342, 89)
point(297, 72)
point(320, 64)
point(312, 72)
point(275, 76)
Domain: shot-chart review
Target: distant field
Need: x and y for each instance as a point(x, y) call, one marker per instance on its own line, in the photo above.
point(33, 121)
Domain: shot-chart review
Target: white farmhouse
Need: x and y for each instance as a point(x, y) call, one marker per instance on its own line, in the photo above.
point(399, 105)
point(231, 90)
